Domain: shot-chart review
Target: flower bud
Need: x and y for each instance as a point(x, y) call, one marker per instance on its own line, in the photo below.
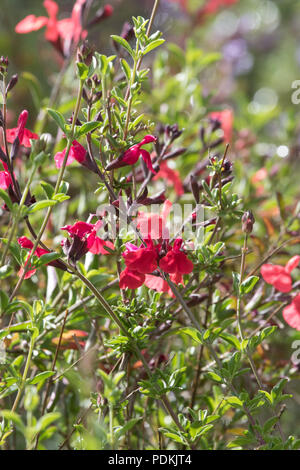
point(12, 82)
point(248, 221)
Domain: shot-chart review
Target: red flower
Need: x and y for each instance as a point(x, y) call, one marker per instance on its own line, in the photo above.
point(20, 132)
point(171, 176)
point(279, 276)
point(77, 152)
point(5, 178)
point(26, 243)
point(211, 7)
point(131, 156)
point(291, 313)
point(141, 259)
point(131, 279)
point(154, 225)
point(176, 261)
point(226, 120)
point(68, 29)
point(88, 233)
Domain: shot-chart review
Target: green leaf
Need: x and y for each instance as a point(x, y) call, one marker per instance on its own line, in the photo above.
point(4, 301)
point(5, 271)
point(124, 44)
point(46, 259)
point(40, 377)
point(37, 206)
point(248, 285)
point(126, 69)
point(6, 198)
point(83, 70)
point(87, 127)
point(58, 118)
point(153, 45)
point(231, 339)
point(213, 376)
point(234, 401)
point(48, 189)
point(195, 334)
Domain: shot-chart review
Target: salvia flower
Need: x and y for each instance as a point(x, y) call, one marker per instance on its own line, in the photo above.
point(77, 152)
point(5, 178)
point(291, 313)
point(27, 244)
point(20, 135)
point(131, 156)
point(83, 239)
point(176, 261)
point(143, 259)
point(60, 33)
point(171, 177)
point(280, 276)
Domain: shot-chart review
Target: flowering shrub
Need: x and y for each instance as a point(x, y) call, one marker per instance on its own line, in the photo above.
point(140, 300)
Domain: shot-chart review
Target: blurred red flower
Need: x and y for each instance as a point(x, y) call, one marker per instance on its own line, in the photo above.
point(171, 176)
point(279, 276)
point(291, 313)
point(226, 120)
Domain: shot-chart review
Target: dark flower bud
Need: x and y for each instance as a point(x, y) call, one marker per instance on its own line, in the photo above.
point(226, 168)
point(127, 31)
point(85, 53)
point(248, 221)
point(12, 82)
point(215, 124)
point(172, 132)
point(101, 14)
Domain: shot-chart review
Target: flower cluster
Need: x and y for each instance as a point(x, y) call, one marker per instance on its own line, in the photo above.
point(141, 262)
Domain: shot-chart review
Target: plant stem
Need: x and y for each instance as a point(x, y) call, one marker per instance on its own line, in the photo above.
point(22, 385)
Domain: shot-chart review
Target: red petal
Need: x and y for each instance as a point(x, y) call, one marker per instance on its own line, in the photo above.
point(292, 263)
point(131, 279)
point(31, 23)
point(270, 272)
point(79, 228)
point(283, 283)
point(5, 180)
point(142, 260)
point(98, 247)
point(25, 242)
point(292, 316)
point(147, 159)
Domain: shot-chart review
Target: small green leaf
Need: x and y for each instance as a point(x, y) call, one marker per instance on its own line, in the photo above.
point(153, 45)
point(87, 127)
point(193, 333)
point(40, 377)
point(37, 206)
point(6, 198)
point(46, 259)
point(58, 118)
point(248, 285)
point(124, 44)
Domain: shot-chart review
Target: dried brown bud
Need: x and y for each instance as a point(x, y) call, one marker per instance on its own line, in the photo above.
point(248, 221)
